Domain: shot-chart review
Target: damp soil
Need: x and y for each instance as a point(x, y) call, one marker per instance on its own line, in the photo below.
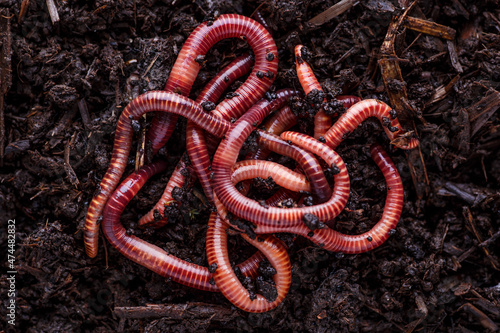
point(64, 86)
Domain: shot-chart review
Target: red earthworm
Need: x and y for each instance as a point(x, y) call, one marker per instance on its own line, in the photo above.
point(252, 211)
point(281, 120)
point(357, 113)
point(148, 102)
point(277, 123)
point(195, 138)
point(155, 217)
point(257, 16)
point(308, 81)
point(281, 195)
point(149, 255)
point(224, 275)
point(186, 67)
point(347, 100)
point(320, 189)
point(335, 241)
point(237, 68)
point(341, 178)
point(282, 176)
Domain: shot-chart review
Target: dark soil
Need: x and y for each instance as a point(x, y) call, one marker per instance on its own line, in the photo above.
point(68, 83)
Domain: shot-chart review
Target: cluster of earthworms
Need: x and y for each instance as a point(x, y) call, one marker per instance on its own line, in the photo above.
point(225, 178)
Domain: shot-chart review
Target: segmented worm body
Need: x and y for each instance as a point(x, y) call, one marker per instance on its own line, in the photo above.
point(250, 210)
point(320, 189)
point(186, 67)
point(180, 81)
point(195, 142)
point(308, 81)
point(359, 112)
point(149, 255)
point(332, 240)
point(234, 120)
point(282, 176)
point(195, 138)
point(148, 102)
point(226, 279)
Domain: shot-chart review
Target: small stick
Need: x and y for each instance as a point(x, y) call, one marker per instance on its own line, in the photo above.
point(84, 113)
point(468, 217)
point(54, 14)
point(484, 320)
point(490, 240)
point(73, 178)
point(177, 311)
point(24, 8)
point(429, 28)
point(442, 91)
point(452, 50)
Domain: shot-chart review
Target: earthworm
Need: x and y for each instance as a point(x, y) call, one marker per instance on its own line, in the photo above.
point(257, 16)
point(360, 111)
point(308, 81)
point(280, 196)
point(335, 241)
point(281, 175)
point(180, 81)
point(155, 217)
point(148, 102)
point(347, 100)
point(195, 138)
point(186, 67)
point(320, 189)
point(149, 255)
point(226, 279)
point(281, 120)
point(250, 210)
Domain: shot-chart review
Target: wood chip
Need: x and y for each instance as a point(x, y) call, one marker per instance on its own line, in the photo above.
point(480, 112)
point(454, 57)
point(429, 28)
point(332, 12)
point(442, 91)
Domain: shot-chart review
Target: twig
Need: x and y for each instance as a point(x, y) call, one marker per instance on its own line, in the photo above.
point(177, 312)
point(468, 217)
point(490, 240)
point(73, 178)
point(442, 91)
point(24, 8)
point(84, 113)
point(452, 50)
point(389, 67)
point(485, 321)
point(429, 28)
point(54, 15)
